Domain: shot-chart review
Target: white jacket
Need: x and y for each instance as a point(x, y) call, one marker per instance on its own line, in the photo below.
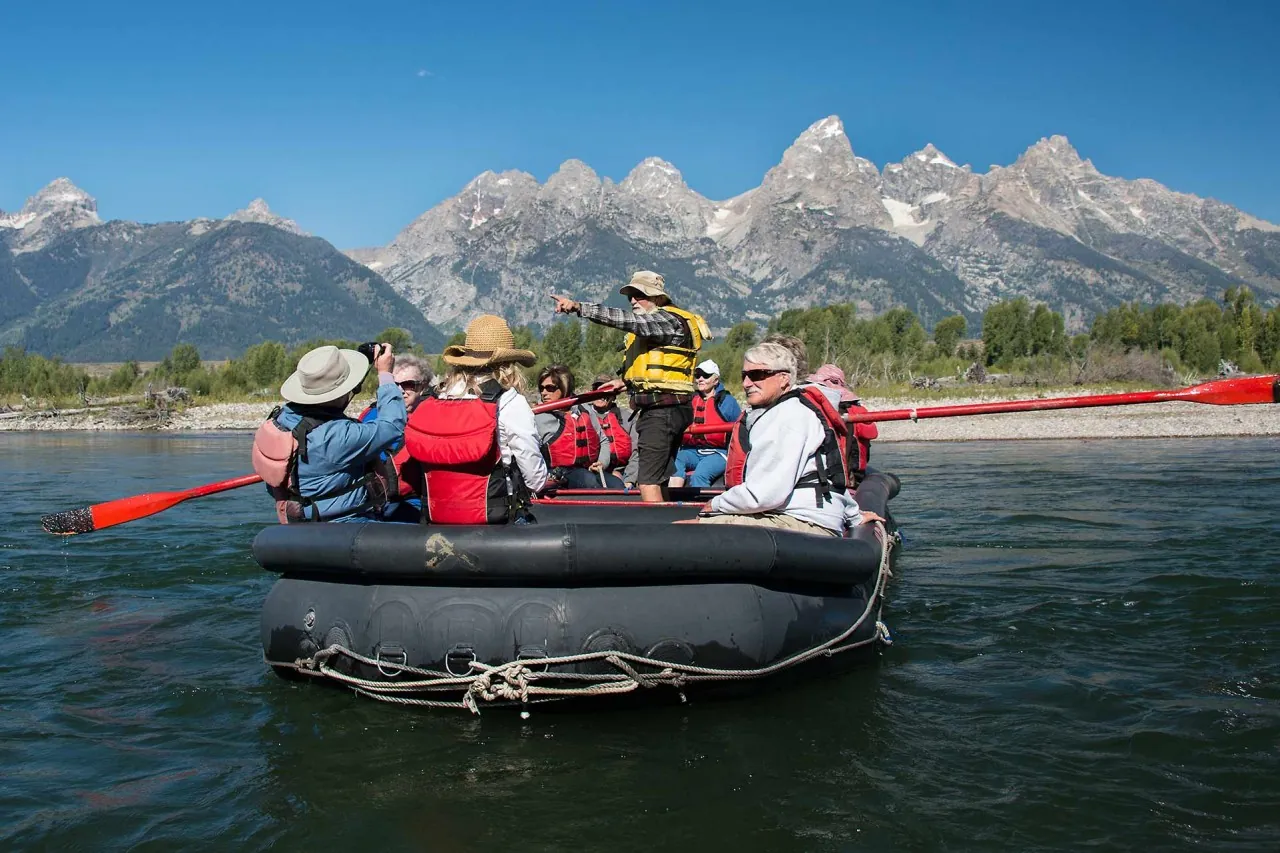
point(784, 439)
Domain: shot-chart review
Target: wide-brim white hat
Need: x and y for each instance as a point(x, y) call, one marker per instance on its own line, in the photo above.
point(325, 374)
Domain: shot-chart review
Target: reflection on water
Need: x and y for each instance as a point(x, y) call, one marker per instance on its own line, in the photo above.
point(1086, 654)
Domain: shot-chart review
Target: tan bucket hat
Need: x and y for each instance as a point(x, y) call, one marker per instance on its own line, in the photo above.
point(647, 283)
point(325, 374)
point(489, 341)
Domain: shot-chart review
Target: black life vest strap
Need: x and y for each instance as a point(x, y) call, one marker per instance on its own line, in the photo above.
point(313, 417)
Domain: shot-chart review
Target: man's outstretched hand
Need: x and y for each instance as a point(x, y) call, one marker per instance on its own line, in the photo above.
point(565, 305)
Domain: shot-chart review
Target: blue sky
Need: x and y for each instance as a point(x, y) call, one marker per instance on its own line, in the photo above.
point(355, 117)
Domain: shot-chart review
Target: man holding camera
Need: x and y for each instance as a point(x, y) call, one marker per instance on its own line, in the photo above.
point(332, 474)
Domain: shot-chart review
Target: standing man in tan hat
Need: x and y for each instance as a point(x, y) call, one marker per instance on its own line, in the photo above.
point(319, 464)
point(660, 351)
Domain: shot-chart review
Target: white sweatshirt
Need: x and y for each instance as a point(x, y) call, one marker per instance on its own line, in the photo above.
point(784, 439)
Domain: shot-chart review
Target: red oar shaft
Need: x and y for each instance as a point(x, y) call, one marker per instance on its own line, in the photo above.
point(122, 510)
point(1224, 392)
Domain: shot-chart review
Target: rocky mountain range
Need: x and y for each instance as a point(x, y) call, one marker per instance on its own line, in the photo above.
point(824, 225)
point(87, 290)
point(827, 225)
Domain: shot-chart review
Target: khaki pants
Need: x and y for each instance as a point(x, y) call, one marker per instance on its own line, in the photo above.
point(778, 520)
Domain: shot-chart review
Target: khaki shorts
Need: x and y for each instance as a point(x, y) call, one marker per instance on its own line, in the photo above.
point(778, 520)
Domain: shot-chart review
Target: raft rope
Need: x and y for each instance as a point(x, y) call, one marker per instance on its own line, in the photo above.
point(529, 681)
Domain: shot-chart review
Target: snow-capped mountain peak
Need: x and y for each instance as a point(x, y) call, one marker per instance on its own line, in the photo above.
point(259, 211)
point(58, 207)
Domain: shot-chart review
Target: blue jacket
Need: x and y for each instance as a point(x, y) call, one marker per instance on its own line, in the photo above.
point(338, 451)
point(727, 407)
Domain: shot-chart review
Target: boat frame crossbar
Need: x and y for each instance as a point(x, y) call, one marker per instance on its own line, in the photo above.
point(527, 682)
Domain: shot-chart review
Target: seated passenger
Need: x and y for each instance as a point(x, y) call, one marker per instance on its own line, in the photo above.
point(413, 377)
point(615, 427)
point(319, 464)
point(573, 441)
point(787, 469)
point(831, 376)
point(476, 441)
point(702, 457)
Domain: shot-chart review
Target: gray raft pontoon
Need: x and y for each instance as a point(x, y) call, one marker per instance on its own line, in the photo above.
point(602, 596)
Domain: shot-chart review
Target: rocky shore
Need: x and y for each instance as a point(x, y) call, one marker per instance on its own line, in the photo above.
point(1161, 420)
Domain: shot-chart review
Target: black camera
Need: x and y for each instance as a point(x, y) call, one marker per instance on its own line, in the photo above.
point(369, 350)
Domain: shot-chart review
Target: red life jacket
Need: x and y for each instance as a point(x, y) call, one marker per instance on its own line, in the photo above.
point(619, 439)
point(864, 433)
point(830, 460)
point(706, 410)
point(575, 444)
point(455, 442)
point(278, 451)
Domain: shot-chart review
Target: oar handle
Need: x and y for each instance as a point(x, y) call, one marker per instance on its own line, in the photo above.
point(224, 486)
point(569, 402)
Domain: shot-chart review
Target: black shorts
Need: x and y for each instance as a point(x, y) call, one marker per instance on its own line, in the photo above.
point(659, 431)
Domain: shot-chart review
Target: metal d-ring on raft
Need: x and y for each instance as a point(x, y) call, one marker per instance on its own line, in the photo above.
point(602, 597)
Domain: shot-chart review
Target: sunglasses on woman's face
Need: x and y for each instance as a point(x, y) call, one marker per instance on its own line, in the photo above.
point(698, 374)
point(550, 388)
point(760, 375)
point(410, 385)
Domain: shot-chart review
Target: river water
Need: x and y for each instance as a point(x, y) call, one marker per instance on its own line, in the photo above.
point(1087, 654)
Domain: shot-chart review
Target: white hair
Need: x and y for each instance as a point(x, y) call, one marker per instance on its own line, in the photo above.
point(412, 362)
point(774, 357)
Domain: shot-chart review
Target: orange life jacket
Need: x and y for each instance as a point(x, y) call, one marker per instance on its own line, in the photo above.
point(863, 433)
point(455, 442)
point(706, 410)
point(575, 444)
point(619, 438)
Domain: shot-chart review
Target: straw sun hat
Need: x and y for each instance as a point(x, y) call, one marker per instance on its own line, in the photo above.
point(489, 342)
point(325, 374)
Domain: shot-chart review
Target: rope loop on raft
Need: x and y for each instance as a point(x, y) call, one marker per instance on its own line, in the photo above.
point(514, 682)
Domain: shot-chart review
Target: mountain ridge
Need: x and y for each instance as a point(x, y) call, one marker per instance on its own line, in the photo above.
point(991, 233)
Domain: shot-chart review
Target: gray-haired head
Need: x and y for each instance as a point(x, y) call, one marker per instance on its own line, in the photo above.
point(797, 347)
point(774, 356)
point(407, 363)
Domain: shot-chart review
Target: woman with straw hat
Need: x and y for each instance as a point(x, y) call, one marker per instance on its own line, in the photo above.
point(476, 441)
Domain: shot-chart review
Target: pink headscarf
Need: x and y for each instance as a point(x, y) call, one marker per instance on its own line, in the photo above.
point(832, 376)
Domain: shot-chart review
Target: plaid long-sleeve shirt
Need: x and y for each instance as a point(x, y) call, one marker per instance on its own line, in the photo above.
point(661, 327)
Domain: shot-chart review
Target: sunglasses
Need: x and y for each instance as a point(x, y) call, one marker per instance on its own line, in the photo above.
point(698, 374)
point(760, 375)
point(410, 385)
point(549, 387)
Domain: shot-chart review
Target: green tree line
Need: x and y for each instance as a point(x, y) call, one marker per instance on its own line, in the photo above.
point(1017, 337)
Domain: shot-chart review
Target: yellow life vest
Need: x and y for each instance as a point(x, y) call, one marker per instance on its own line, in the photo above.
point(664, 368)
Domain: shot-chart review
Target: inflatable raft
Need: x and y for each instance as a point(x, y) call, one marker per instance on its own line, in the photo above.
point(602, 596)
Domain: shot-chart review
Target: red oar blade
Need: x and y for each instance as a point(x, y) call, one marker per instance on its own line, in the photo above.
point(1235, 392)
point(111, 513)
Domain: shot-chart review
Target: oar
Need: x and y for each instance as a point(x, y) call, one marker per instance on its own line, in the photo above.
point(1223, 392)
point(119, 511)
point(111, 513)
